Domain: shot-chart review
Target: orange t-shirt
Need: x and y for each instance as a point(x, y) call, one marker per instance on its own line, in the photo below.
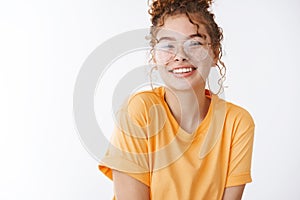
point(149, 145)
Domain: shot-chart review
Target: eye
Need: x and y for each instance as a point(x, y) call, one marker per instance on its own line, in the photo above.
point(194, 43)
point(165, 46)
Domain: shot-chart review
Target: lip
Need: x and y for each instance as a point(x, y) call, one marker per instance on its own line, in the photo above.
point(183, 75)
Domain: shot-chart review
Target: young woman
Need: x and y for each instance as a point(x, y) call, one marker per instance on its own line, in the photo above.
point(181, 141)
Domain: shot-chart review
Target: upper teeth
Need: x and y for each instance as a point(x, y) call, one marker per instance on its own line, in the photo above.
point(182, 70)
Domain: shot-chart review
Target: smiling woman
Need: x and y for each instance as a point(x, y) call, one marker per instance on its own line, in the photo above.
point(174, 60)
point(181, 141)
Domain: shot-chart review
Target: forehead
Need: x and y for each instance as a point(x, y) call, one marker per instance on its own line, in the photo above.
point(179, 27)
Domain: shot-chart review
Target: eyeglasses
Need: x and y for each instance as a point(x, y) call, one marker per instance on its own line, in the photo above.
point(195, 48)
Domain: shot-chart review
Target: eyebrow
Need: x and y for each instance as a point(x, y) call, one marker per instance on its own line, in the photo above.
point(198, 35)
point(166, 38)
point(190, 36)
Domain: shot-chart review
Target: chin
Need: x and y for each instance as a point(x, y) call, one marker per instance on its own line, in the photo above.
point(185, 85)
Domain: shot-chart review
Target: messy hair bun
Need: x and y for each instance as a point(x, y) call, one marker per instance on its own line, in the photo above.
point(159, 7)
point(198, 12)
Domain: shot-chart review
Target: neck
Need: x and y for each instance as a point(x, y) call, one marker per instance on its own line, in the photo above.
point(189, 107)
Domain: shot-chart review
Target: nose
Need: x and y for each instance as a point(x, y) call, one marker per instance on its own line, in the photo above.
point(180, 54)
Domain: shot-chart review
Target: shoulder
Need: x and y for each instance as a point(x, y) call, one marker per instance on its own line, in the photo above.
point(139, 105)
point(237, 118)
point(239, 113)
point(239, 123)
point(147, 97)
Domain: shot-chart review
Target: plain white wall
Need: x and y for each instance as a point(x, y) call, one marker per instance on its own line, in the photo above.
point(43, 45)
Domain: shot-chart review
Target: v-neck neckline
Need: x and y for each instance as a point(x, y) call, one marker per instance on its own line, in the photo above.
point(201, 128)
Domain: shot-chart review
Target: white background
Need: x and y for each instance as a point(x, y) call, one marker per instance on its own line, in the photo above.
point(43, 45)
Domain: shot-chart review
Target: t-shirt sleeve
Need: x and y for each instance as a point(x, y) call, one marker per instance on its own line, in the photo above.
point(239, 171)
point(128, 149)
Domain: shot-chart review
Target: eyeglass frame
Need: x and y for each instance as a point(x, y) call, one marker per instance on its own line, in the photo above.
point(182, 42)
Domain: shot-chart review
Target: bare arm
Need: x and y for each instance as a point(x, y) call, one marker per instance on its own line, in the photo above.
point(234, 193)
point(127, 187)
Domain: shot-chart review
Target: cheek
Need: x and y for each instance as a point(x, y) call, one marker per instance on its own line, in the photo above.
point(162, 69)
point(206, 62)
point(204, 71)
point(204, 66)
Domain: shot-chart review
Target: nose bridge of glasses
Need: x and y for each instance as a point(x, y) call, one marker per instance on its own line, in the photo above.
point(179, 50)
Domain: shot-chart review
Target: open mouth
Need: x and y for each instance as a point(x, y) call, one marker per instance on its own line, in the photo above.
point(182, 70)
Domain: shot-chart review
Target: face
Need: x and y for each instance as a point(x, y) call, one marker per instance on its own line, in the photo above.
point(183, 54)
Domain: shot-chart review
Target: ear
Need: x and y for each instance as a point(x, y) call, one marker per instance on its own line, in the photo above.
point(153, 57)
point(215, 61)
point(216, 58)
